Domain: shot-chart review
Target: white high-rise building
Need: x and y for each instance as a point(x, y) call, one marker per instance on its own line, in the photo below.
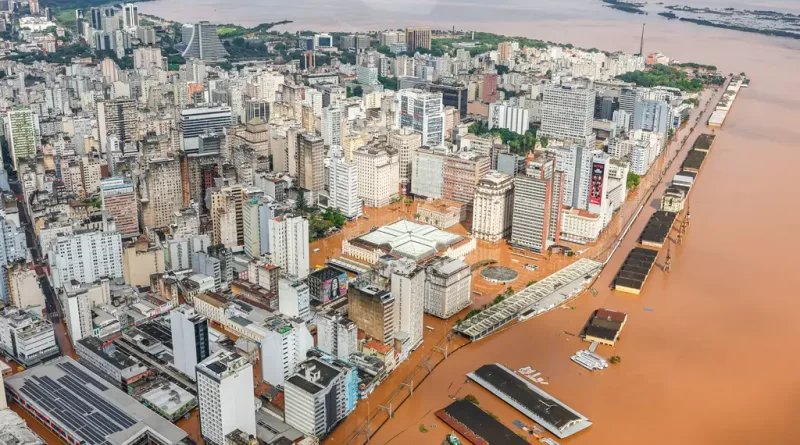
point(408, 288)
point(130, 16)
point(378, 175)
point(503, 115)
point(256, 213)
point(448, 287)
point(575, 161)
point(225, 396)
point(13, 247)
point(337, 335)
point(22, 129)
point(405, 142)
point(493, 207)
point(567, 112)
point(286, 342)
point(652, 115)
point(85, 257)
point(26, 338)
point(343, 187)
point(180, 251)
point(428, 173)
point(333, 124)
point(189, 339)
point(288, 245)
point(423, 112)
point(294, 299)
point(319, 395)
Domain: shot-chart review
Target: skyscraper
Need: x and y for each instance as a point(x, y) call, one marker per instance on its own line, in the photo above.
point(256, 213)
point(130, 16)
point(423, 113)
point(288, 245)
point(343, 187)
point(189, 339)
point(406, 142)
point(567, 112)
point(23, 132)
point(493, 207)
point(378, 175)
point(116, 118)
point(448, 287)
point(652, 115)
point(225, 396)
point(286, 342)
point(333, 124)
point(12, 249)
point(408, 287)
point(203, 120)
point(310, 161)
point(319, 395)
point(164, 194)
point(85, 257)
point(418, 38)
point(119, 198)
point(538, 194)
point(202, 42)
point(337, 335)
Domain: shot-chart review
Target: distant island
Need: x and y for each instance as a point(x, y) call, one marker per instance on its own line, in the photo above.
point(629, 7)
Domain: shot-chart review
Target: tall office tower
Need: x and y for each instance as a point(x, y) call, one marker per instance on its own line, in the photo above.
point(288, 245)
point(453, 95)
point(567, 112)
point(387, 38)
point(256, 214)
point(378, 175)
point(343, 187)
point(333, 124)
point(294, 299)
point(418, 38)
point(493, 207)
point(202, 42)
point(33, 5)
point(310, 160)
point(225, 257)
point(286, 342)
point(503, 115)
point(408, 288)
point(13, 248)
point(116, 119)
point(180, 251)
point(225, 215)
point(538, 194)
point(201, 120)
point(448, 287)
point(405, 142)
point(504, 50)
point(130, 16)
point(225, 396)
point(337, 335)
point(148, 56)
point(652, 115)
point(574, 161)
point(189, 339)
point(118, 196)
point(489, 93)
point(23, 134)
point(205, 264)
point(461, 175)
point(164, 194)
point(422, 112)
point(319, 395)
point(98, 15)
point(85, 257)
point(373, 310)
point(427, 173)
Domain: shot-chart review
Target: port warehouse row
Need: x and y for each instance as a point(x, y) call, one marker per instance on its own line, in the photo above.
point(725, 103)
point(477, 426)
point(640, 261)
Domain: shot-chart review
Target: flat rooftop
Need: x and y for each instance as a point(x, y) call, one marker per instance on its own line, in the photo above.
point(694, 160)
point(538, 405)
point(704, 142)
point(87, 408)
point(658, 228)
point(477, 425)
point(408, 239)
point(636, 268)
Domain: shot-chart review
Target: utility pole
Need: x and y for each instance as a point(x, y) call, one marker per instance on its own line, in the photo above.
point(668, 262)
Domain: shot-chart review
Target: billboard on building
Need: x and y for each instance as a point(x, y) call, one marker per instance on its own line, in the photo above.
point(334, 288)
point(596, 188)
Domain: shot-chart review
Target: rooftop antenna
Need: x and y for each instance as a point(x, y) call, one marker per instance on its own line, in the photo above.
point(641, 44)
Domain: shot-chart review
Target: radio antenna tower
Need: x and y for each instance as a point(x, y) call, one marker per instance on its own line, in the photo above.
point(641, 44)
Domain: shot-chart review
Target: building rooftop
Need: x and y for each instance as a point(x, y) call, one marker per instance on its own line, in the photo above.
point(409, 239)
point(314, 375)
point(213, 299)
point(14, 430)
point(222, 364)
point(113, 357)
point(169, 398)
point(81, 403)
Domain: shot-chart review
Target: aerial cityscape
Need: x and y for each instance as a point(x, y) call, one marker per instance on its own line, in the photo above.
point(231, 225)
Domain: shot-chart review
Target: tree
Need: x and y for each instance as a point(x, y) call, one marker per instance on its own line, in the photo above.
point(383, 49)
point(471, 398)
point(615, 359)
point(498, 299)
point(502, 69)
point(509, 291)
point(544, 141)
point(633, 180)
point(358, 91)
point(301, 200)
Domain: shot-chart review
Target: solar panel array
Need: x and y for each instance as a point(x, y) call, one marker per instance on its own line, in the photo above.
point(79, 410)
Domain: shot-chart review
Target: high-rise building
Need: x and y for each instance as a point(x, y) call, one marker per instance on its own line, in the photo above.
point(343, 187)
point(85, 257)
point(493, 208)
point(256, 214)
point(337, 335)
point(130, 16)
point(148, 56)
point(652, 115)
point(164, 194)
point(203, 120)
point(423, 112)
point(575, 161)
point(453, 95)
point(567, 112)
point(294, 299)
point(310, 162)
point(538, 195)
point(189, 339)
point(25, 337)
point(504, 51)
point(405, 142)
point(489, 93)
point(427, 173)
point(378, 175)
point(418, 38)
point(286, 342)
point(408, 288)
point(461, 175)
point(180, 250)
point(13, 248)
point(223, 216)
point(333, 124)
point(225, 396)
point(373, 311)
point(23, 134)
point(118, 196)
point(319, 395)
point(205, 264)
point(387, 38)
point(506, 116)
point(288, 245)
point(202, 42)
point(448, 287)
point(116, 119)
point(33, 5)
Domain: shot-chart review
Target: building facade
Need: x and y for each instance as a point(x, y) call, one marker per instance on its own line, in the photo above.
point(493, 209)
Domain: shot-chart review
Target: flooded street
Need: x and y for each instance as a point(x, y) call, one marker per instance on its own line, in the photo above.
point(709, 364)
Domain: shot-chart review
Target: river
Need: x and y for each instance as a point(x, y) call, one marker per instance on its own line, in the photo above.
point(713, 362)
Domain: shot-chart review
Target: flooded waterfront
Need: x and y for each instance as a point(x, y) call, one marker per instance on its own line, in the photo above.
point(709, 364)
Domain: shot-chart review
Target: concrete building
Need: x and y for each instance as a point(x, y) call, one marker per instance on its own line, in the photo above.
point(538, 194)
point(85, 257)
point(441, 213)
point(448, 287)
point(319, 395)
point(461, 175)
point(405, 142)
point(294, 299)
point(288, 245)
point(24, 290)
point(116, 119)
point(652, 115)
point(130, 16)
point(106, 361)
point(427, 173)
point(580, 226)
point(225, 396)
point(77, 301)
point(373, 311)
point(179, 251)
point(22, 130)
point(575, 162)
point(334, 123)
point(408, 288)
point(202, 42)
point(310, 160)
point(423, 112)
point(337, 335)
point(343, 187)
point(418, 38)
point(118, 196)
point(256, 213)
point(140, 260)
point(567, 112)
point(145, 57)
point(189, 339)
point(506, 116)
point(286, 342)
point(378, 175)
point(26, 337)
point(197, 121)
point(224, 216)
point(493, 209)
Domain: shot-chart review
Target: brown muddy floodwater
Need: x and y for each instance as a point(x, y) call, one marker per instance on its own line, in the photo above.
point(714, 361)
